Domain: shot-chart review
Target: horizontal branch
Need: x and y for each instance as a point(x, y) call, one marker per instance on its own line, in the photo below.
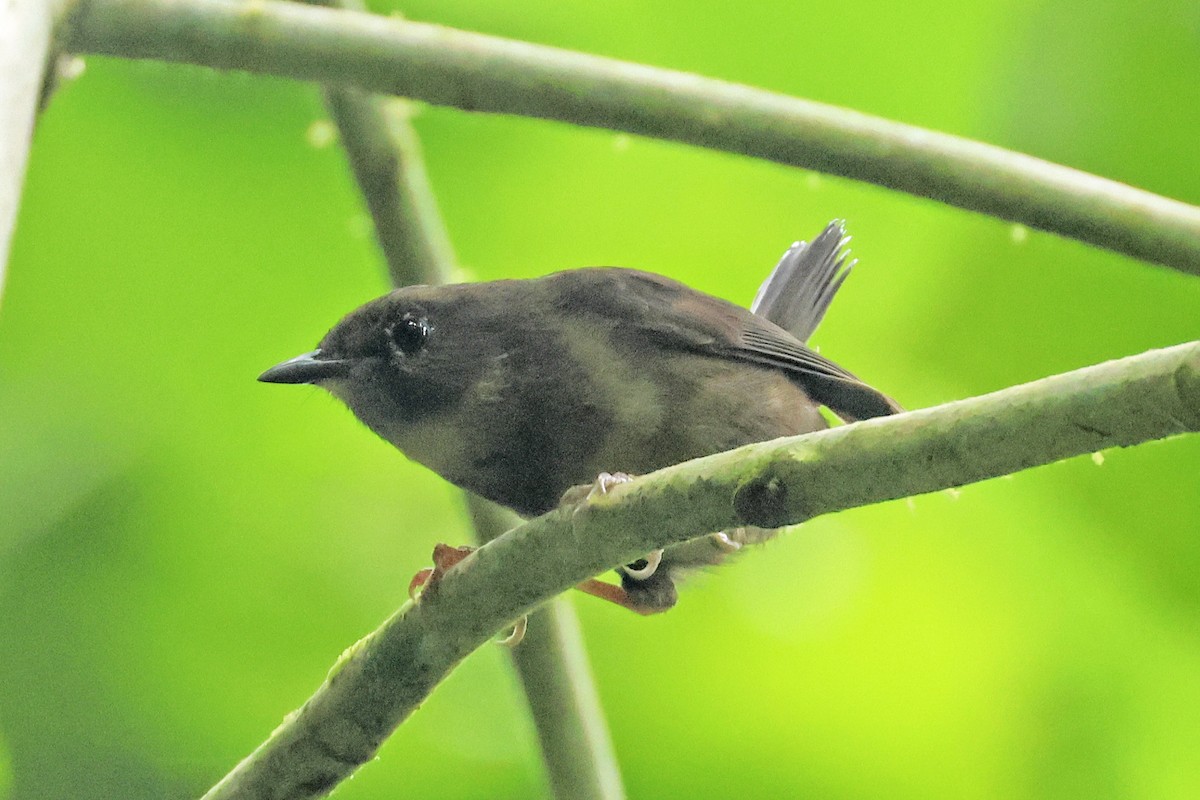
point(379, 682)
point(484, 73)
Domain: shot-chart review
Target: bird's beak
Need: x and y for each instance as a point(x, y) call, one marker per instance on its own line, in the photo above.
point(307, 368)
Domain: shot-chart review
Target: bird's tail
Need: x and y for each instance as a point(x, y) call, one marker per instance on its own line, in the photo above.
point(797, 293)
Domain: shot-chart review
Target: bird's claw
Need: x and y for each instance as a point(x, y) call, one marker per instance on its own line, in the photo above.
point(723, 543)
point(445, 556)
point(597, 488)
point(418, 582)
point(517, 635)
point(644, 568)
point(607, 480)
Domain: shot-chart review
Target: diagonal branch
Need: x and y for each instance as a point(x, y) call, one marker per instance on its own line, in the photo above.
point(386, 676)
point(485, 73)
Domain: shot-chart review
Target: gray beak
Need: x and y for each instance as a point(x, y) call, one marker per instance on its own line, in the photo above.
point(307, 368)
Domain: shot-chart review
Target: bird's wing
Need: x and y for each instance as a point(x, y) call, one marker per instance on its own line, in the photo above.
point(675, 315)
point(797, 293)
point(763, 342)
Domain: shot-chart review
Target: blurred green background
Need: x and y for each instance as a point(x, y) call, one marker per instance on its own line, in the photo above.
point(184, 552)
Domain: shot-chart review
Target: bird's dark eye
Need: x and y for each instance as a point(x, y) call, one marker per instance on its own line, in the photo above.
point(409, 334)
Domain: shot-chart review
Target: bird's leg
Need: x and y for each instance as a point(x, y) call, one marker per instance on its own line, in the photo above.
point(615, 594)
point(637, 574)
point(445, 557)
point(641, 569)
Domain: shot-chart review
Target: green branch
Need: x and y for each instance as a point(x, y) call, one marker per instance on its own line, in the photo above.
point(552, 663)
point(484, 73)
point(385, 677)
point(385, 155)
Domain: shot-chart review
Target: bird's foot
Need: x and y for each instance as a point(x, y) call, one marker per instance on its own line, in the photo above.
point(444, 557)
point(641, 569)
point(426, 581)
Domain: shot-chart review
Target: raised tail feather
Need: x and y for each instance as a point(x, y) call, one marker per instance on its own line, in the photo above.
point(797, 293)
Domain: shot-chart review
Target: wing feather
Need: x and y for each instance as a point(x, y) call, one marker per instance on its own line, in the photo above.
point(644, 305)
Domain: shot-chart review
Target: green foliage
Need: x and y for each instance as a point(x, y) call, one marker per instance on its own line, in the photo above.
point(183, 552)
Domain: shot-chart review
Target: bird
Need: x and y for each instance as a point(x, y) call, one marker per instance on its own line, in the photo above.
point(521, 390)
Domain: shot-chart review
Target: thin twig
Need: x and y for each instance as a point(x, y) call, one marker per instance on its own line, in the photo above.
point(385, 154)
point(383, 679)
point(484, 73)
point(552, 664)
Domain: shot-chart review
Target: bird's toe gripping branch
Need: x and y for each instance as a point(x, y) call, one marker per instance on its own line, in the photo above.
point(445, 556)
point(423, 585)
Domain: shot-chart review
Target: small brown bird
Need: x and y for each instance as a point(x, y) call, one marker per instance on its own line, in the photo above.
point(519, 390)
